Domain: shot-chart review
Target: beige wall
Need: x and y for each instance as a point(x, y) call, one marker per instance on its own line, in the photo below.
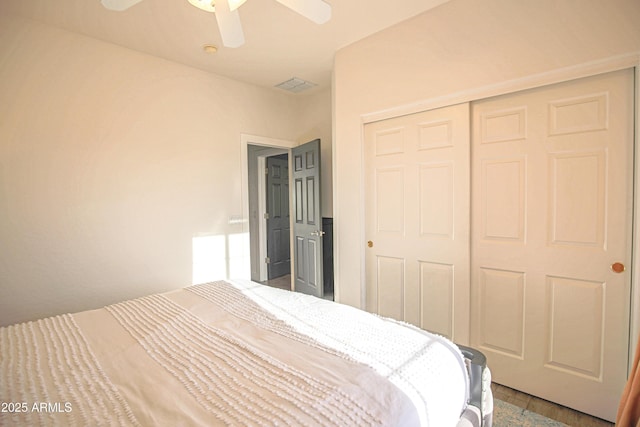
point(111, 163)
point(453, 52)
point(316, 122)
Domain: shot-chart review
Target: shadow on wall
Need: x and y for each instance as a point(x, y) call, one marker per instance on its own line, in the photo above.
point(220, 256)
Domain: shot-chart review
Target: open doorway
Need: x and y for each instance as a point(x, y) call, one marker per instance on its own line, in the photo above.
point(255, 152)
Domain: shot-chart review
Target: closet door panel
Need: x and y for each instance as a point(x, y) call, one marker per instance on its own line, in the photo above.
point(551, 208)
point(417, 219)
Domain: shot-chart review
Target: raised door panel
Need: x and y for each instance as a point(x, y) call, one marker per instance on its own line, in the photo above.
point(575, 322)
point(503, 204)
point(391, 283)
point(437, 297)
point(501, 294)
point(436, 200)
point(577, 195)
point(389, 200)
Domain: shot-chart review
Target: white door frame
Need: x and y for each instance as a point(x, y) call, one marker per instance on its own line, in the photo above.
point(529, 82)
point(285, 147)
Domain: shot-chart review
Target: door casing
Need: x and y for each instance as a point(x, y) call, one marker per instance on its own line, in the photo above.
point(280, 146)
point(257, 269)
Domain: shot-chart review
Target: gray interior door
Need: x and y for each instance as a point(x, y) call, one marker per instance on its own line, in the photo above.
point(307, 221)
point(278, 228)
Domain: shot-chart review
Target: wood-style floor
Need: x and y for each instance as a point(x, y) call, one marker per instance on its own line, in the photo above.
point(283, 282)
point(546, 408)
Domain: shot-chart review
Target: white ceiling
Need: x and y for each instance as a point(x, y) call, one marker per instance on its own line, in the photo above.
point(280, 44)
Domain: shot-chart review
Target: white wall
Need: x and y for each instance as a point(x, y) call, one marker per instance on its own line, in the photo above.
point(111, 163)
point(457, 48)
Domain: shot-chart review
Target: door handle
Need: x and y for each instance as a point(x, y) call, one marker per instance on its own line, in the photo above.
point(617, 267)
point(319, 233)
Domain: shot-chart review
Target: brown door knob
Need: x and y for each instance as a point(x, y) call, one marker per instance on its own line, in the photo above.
point(617, 267)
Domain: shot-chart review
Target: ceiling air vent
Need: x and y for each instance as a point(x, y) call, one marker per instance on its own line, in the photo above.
point(295, 85)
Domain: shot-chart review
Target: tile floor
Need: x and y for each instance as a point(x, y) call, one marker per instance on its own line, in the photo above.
point(546, 408)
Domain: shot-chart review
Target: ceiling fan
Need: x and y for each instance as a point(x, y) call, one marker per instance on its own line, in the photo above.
point(228, 18)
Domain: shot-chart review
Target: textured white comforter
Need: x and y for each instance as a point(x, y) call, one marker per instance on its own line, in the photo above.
point(227, 354)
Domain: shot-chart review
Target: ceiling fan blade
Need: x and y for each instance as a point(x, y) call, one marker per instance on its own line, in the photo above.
point(229, 25)
point(316, 10)
point(119, 5)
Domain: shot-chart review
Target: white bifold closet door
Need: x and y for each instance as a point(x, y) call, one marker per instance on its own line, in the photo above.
point(540, 281)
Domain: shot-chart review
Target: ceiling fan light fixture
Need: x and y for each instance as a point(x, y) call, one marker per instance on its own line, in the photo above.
point(234, 4)
point(210, 5)
point(210, 48)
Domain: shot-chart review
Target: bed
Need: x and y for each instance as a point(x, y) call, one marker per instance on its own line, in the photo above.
point(236, 353)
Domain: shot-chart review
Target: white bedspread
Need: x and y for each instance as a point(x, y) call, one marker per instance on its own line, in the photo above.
point(428, 368)
point(227, 354)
